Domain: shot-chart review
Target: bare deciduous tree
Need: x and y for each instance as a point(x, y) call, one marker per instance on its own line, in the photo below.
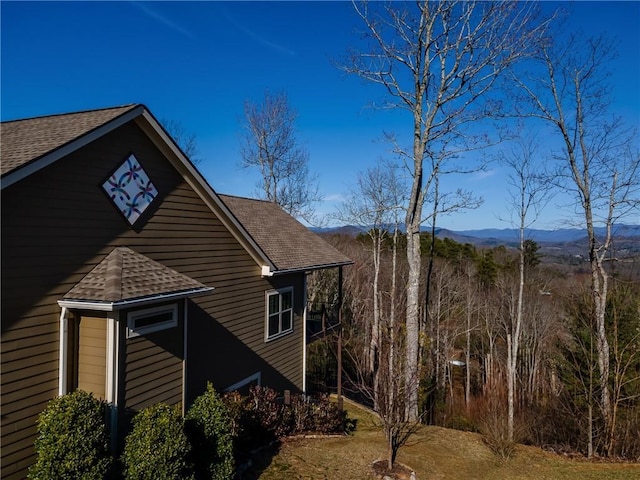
point(376, 206)
point(599, 162)
point(439, 61)
point(187, 141)
point(529, 193)
point(269, 144)
point(373, 206)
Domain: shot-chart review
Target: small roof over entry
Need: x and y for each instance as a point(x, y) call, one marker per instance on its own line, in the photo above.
point(125, 278)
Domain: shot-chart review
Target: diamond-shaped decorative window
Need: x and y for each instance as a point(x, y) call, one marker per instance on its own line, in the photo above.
point(130, 189)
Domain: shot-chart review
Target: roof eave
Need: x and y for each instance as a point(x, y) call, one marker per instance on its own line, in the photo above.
point(106, 306)
point(309, 268)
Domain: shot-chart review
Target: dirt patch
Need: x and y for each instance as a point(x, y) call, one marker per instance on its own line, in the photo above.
point(398, 472)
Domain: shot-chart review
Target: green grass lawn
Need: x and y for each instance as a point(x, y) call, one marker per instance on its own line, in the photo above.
point(433, 453)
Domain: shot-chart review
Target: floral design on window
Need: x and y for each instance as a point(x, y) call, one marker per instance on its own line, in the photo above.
point(130, 189)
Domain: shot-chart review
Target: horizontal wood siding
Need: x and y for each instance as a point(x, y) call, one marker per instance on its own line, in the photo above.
point(92, 356)
point(57, 224)
point(153, 369)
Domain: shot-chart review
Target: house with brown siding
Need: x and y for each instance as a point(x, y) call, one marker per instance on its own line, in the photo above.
point(125, 274)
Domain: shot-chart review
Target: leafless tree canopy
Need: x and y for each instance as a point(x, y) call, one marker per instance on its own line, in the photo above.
point(494, 337)
point(439, 61)
point(187, 142)
point(269, 144)
point(528, 192)
point(598, 162)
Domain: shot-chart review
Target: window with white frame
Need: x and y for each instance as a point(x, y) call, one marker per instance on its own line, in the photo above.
point(141, 322)
point(279, 313)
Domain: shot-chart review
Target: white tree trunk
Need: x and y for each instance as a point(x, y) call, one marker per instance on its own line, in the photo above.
point(412, 326)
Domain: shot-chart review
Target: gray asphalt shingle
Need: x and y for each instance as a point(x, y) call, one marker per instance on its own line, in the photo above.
point(23, 141)
point(288, 244)
point(125, 275)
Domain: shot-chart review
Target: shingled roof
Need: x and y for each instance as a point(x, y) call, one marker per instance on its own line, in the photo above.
point(288, 244)
point(24, 141)
point(125, 277)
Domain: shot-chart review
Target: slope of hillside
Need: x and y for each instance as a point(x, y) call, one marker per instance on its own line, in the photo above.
point(432, 453)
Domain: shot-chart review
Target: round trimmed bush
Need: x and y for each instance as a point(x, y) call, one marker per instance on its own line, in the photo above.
point(157, 446)
point(210, 430)
point(73, 440)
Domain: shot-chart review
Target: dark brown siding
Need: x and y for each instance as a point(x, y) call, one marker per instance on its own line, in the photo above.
point(153, 368)
point(57, 225)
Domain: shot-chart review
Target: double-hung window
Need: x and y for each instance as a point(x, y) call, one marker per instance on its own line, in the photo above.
point(279, 313)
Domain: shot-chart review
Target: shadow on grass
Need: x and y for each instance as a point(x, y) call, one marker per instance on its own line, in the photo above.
point(257, 462)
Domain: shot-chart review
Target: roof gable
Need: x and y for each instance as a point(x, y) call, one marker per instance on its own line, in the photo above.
point(289, 245)
point(79, 129)
point(275, 240)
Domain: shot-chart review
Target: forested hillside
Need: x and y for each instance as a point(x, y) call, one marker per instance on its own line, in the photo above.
point(466, 332)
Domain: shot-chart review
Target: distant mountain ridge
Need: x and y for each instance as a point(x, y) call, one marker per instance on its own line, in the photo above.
point(564, 242)
point(506, 235)
point(543, 236)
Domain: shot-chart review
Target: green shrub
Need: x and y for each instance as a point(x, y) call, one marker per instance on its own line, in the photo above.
point(210, 431)
point(461, 422)
point(72, 441)
point(157, 446)
point(237, 406)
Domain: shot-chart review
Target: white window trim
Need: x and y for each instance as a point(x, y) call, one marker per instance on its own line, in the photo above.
point(64, 348)
point(133, 331)
point(256, 377)
point(282, 333)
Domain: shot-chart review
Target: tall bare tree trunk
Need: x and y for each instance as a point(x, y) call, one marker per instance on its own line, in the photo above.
point(375, 327)
point(439, 61)
point(528, 195)
point(467, 353)
point(513, 340)
point(412, 325)
point(392, 370)
point(599, 284)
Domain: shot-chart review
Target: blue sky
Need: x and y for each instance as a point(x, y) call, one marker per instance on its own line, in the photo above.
point(197, 62)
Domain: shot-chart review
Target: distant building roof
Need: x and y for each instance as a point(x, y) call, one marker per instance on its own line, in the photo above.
point(125, 277)
point(289, 245)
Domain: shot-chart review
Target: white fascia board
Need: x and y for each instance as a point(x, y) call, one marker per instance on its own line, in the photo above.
point(195, 179)
point(136, 302)
point(85, 305)
point(309, 268)
point(69, 148)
